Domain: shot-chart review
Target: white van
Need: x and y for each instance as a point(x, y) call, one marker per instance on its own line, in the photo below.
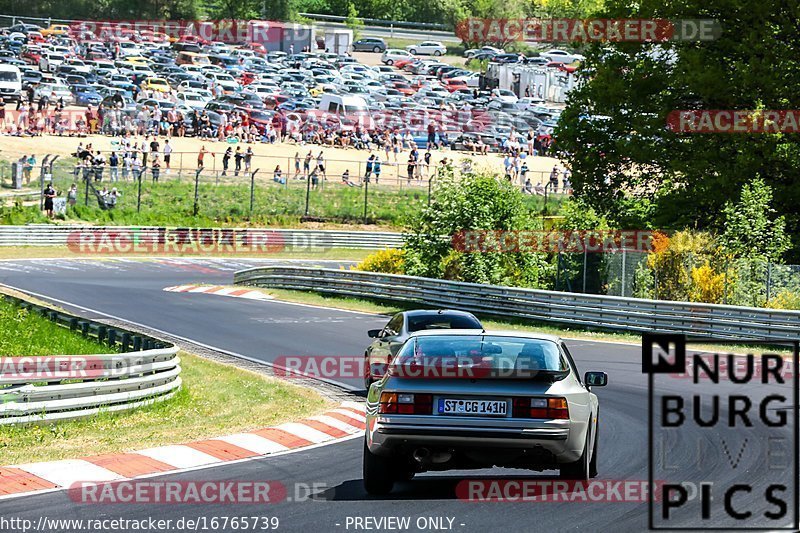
point(10, 82)
point(345, 105)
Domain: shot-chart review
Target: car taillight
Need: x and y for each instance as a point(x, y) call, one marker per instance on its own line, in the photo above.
point(549, 408)
point(405, 404)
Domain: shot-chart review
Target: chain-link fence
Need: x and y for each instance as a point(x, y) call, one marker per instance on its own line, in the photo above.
point(745, 282)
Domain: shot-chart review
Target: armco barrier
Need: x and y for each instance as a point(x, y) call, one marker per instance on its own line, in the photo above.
point(57, 235)
point(585, 310)
point(147, 371)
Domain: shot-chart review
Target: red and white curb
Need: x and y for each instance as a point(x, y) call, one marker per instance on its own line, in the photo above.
point(221, 290)
point(336, 424)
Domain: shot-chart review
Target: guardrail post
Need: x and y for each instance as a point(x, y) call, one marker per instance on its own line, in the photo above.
point(84, 328)
point(73, 324)
point(101, 333)
point(125, 341)
point(112, 337)
point(137, 343)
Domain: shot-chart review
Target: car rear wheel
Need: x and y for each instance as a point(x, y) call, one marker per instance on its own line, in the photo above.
point(437, 53)
point(413, 51)
point(377, 49)
point(378, 473)
point(580, 469)
point(389, 62)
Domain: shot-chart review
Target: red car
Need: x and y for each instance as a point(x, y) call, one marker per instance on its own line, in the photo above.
point(258, 48)
point(31, 54)
point(454, 84)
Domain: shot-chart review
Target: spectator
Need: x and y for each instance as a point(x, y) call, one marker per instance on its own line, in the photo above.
point(167, 154)
point(554, 179)
point(72, 195)
point(307, 163)
point(238, 156)
point(370, 161)
point(28, 163)
point(376, 168)
point(296, 165)
point(321, 165)
point(112, 197)
point(410, 168)
point(248, 157)
point(226, 159)
point(113, 166)
point(528, 187)
point(155, 167)
point(99, 164)
point(49, 195)
point(277, 175)
point(346, 178)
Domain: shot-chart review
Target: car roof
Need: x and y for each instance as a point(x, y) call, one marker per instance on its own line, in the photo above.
point(432, 312)
point(533, 335)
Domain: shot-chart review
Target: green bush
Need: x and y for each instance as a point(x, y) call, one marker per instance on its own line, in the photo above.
point(388, 261)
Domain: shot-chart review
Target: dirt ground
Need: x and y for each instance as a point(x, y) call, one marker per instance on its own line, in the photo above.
point(268, 156)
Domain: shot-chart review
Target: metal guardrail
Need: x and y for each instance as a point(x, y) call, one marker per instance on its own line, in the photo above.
point(58, 235)
point(69, 387)
point(585, 310)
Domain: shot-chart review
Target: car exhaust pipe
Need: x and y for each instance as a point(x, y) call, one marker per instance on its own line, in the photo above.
point(422, 455)
point(441, 457)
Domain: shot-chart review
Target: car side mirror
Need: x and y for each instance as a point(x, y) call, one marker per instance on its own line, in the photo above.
point(595, 379)
point(374, 333)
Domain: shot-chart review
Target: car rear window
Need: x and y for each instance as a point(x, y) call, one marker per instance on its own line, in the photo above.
point(418, 323)
point(480, 356)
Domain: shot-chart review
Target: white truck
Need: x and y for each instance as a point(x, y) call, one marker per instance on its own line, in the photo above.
point(10, 82)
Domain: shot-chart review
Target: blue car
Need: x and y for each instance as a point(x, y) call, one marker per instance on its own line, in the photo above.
point(85, 94)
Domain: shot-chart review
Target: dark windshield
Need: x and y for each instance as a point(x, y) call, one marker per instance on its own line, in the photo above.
point(417, 323)
point(477, 356)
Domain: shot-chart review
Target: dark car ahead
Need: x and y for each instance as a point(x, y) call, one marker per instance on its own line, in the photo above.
point(389, 339)
point(369, 44)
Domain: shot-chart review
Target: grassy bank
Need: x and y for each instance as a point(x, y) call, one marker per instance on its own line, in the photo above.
point(171, 203)
point(25, 333)
point(216, 399)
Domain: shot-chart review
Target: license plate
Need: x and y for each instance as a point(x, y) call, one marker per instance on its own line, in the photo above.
point(449, 406)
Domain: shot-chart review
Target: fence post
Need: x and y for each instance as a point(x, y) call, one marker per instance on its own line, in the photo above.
point(769, 279)
point(585, 258)
point(308, 191)
point(196, 191)
point(139, 195)
point(86, 194)
point(252, 190)
point(622, 284)
point(366, 192)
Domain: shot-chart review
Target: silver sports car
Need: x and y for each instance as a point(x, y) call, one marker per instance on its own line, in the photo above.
point(454, 399)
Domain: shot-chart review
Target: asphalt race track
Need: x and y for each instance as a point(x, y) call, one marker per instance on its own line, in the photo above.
point(133, 290)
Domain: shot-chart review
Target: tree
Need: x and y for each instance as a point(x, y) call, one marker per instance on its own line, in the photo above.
point(613, 128)
point(750, 229)
point(352, 21)
point(473, 203)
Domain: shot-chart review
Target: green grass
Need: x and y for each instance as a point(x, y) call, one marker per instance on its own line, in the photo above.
point(23, 333)
point(171, 203)
point(216, 399)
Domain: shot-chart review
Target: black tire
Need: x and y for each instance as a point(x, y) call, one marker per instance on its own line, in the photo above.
point(437, 53)
point(593, 462)
point(378, 473)
point(413, 51)
point(389, 62)
point(368, 381)
point(377, 49)
point(580, 469)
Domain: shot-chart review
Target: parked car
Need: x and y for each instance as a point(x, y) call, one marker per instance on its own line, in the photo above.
point(516, 400)
point(392, 55)
point(482, 50)
point(561, 56)
point(369, 44)
point(428, 48)
point(389, 339)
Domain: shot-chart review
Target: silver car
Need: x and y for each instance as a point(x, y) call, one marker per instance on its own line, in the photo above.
point(455, 399)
